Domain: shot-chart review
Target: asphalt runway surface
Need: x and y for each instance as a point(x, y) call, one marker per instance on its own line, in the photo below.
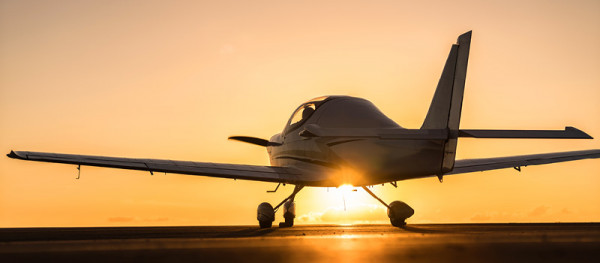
point(561, 242)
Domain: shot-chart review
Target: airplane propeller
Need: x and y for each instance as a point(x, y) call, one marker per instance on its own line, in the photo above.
point(253, 140)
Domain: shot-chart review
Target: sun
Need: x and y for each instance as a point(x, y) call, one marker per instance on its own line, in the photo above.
point(346, 188)
point(349, 196)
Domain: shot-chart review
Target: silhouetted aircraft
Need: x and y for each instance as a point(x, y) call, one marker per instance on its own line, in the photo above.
point(335, 140)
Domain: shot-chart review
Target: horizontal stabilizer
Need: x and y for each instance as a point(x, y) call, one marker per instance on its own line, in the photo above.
point(314, 130)
point(567, 133)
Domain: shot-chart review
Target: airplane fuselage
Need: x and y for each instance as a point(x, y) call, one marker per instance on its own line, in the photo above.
point(359, 161)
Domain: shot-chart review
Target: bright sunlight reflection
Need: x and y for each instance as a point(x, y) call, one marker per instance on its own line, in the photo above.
point(344, 205)
point(346, 188)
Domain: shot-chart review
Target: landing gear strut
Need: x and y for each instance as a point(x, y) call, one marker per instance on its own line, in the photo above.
point(398, 211)
point(266, 212)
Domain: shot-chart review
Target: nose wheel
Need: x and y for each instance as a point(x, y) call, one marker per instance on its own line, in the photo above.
point(397, 211)
point(289, 213)
point(266, 212)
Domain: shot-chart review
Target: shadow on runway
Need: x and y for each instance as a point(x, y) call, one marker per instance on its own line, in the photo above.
point(100, 233)
point(204, 232)
point(422, 230)
point(252, 232)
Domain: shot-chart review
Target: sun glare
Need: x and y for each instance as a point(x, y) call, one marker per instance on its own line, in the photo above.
point(349, 195)
point(345, 205)
point(346, 188)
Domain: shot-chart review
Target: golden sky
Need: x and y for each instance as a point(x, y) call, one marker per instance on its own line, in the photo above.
point(173, 80)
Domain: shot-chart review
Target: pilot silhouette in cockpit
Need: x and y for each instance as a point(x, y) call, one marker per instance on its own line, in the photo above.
point(307, 112)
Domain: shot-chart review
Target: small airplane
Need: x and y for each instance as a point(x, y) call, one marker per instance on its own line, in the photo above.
point(334, 140)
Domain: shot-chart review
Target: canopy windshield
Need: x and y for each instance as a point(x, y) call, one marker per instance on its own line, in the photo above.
point(304, 112)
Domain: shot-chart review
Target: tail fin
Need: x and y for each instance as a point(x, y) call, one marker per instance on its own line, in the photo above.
point(444, 112)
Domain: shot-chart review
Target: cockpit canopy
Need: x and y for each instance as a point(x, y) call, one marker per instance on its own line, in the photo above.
point(339, 112)
point(351, 112)
point(302, 113)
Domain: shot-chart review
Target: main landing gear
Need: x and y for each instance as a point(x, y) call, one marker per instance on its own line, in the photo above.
point(266, 212)
point(398, 211)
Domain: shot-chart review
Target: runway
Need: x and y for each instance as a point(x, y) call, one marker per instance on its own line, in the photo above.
point(566, 242)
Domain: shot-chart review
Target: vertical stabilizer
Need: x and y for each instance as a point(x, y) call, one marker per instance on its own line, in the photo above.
point(444, 112)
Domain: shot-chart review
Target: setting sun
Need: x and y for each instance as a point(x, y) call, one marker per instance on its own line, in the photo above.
point(346, 188)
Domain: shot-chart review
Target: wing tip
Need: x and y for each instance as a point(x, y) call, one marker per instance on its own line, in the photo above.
point(579, 133)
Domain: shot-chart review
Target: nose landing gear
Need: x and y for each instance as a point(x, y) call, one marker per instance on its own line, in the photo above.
point(398, 211)
point(266, 212)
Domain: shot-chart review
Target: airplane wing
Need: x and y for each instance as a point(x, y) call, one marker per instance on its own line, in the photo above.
point(484, 164)
point(234, 171)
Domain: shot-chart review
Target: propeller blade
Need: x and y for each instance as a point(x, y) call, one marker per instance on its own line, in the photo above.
point(253, 140)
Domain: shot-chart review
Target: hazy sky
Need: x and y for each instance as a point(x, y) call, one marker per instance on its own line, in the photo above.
point(174, 79)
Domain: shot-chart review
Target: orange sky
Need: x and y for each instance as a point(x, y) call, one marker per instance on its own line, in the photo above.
point(172, 81)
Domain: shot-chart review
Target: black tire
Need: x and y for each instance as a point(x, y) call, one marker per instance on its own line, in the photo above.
point(289, 221)
point(265, 224)
point(397, 222)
